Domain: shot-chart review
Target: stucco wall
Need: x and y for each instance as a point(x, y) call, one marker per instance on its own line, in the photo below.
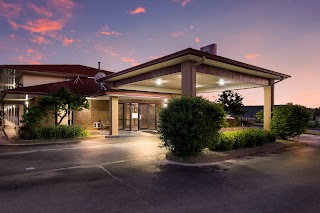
point(31, 80)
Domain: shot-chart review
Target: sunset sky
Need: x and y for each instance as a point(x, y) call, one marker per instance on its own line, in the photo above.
point(280, 35)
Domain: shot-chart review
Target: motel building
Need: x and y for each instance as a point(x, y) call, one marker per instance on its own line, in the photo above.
point(131, 99)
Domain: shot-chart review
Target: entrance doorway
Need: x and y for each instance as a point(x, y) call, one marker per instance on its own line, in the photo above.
point(137, 116)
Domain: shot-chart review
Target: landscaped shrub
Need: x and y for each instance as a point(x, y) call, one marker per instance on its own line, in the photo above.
point(243, 138)
point(247, 122)
point(51, 132)
point(259, 116)
point(313, 124)
point(28, 132)
point(289, 120)
point(61, 131)
point(190, 124)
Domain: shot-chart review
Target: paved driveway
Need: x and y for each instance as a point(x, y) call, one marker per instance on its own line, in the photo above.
point(130, 174)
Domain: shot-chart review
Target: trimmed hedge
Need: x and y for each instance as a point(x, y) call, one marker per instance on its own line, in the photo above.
point(243, 138)
point(51, 132)
point(190, 124)
point(289, 120)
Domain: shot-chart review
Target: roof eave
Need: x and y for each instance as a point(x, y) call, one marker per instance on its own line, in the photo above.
point(198, 53)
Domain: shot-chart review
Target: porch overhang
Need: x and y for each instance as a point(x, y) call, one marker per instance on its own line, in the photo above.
point(191, 72)
point(163, 75)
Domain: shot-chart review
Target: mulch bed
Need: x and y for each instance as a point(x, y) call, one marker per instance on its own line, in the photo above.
point(207, 156)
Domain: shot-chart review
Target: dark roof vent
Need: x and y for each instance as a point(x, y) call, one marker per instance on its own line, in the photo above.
point(212, 49)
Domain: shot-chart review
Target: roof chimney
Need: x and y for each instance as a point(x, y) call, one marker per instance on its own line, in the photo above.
point(212, 49)
point(99, 65)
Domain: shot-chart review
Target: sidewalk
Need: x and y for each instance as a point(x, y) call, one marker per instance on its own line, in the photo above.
point(9, 130)
point(311, 140)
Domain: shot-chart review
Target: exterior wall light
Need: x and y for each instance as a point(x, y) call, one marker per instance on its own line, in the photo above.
point(221, 82)
point(165, 102)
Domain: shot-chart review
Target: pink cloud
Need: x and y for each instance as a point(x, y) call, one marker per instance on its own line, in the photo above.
point(13, 24)
point(103, 48)
point(138, 10)
point(9, 10)
point(197, 40)
point(64, 7)
point(177, 34)
point(113, 54)
point(183, 2)
point(250, 56)
point(67, 42)
point(40, 40)
point(43, 25)
point(61, 10)
point(39, 10)
point(30, 50)
point(32, 57)
point(107, 33)
point(131, 61)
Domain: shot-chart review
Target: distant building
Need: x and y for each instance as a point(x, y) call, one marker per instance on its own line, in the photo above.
point(250, 111)
point(316, 115)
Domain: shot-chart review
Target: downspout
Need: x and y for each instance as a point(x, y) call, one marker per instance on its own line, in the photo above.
point(200, 62)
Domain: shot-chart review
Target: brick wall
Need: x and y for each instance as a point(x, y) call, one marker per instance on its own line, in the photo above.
point(98, 112)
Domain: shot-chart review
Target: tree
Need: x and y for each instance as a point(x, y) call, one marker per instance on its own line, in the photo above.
point(190, 124)
point(62, 103)
point(232, 102)
point(289, 120)
point(259, 116)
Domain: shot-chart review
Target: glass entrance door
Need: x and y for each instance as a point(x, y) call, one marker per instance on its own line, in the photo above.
point(134, 116)
point(147, 116)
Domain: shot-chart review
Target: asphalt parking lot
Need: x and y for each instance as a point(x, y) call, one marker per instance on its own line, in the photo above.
point(130, 174)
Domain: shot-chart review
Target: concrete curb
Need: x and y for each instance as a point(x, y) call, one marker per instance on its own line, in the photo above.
point(5, 135)
point(240, 154)
point(47, 142)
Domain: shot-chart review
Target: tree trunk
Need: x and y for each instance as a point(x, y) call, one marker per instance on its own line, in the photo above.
point(65, 114)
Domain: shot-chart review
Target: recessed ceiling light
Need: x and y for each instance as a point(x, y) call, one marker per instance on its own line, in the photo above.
point(221, 82)
point(159, 81)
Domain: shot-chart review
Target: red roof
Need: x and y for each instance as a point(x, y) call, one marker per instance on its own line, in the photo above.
point(86, 87)
point(58, 69)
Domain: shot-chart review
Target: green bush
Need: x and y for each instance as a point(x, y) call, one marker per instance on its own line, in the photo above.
point(289, 120)
point(190, 124)
point(313, 124)
point(259, 116)
point(61, 131)
point(243, 138)
point(51, 132)
point(28, 132)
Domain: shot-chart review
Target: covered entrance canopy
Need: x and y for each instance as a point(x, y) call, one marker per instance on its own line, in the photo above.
point(190, 72)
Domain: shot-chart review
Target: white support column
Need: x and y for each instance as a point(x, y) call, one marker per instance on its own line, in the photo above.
point(188, 79)
point(113, 117)
point(268, 105)
point(21, 112)
point(2, 115)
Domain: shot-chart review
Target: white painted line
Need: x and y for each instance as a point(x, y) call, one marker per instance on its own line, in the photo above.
point(48, 150)
point(30, 168)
